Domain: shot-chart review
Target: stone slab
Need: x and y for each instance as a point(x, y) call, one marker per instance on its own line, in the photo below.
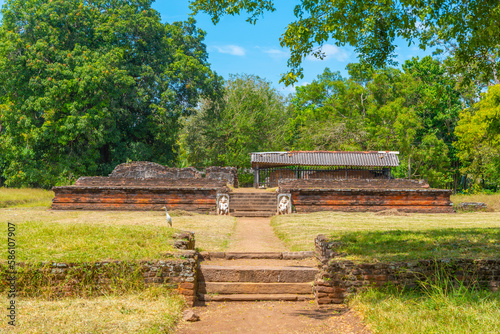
point(253, 255)
point(263, 274)
point(255, 288)
point(253, 297)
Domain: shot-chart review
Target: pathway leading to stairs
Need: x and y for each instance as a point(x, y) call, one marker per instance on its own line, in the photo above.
point(255, 234)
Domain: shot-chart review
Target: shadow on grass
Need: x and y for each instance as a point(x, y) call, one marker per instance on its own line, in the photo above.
point(397, 245)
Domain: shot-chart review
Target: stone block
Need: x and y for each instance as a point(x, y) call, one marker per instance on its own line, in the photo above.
point(187, 285)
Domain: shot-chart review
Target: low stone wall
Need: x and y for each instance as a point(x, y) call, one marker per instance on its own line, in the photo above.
point(146, 169)
point(339, 279)
point(405, 200)
point(226, 174)
point(102, 181)
point(352, 184)
point(70, 279)
point(202, 200)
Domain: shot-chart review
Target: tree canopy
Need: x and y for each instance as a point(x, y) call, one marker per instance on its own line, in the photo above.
point(250, 117)
point(413, 111)
point(371, 27)
point(86, 85)
point(478, 143)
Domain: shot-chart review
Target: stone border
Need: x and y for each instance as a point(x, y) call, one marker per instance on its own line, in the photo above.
point(339, 279)
point(180, 272)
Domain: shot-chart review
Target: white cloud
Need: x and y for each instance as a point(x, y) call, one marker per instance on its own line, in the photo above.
point(276, 53)
point(331, 52)
point(231, 49)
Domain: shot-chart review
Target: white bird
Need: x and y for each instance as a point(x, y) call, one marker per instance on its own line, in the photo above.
point(169, 219)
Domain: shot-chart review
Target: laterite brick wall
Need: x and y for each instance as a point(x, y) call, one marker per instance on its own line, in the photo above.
point(70, 279)
point(202, 200)
point(405, 200)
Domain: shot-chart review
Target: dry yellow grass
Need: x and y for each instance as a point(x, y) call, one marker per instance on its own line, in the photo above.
point(299, 230)
point(155, 310)
point(25, 197)
point(492, 201)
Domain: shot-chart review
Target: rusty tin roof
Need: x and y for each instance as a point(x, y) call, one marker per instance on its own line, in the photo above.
point(325, 158)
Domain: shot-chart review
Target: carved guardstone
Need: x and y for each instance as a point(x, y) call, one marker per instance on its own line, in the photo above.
point(223, 204)
point(284, 204)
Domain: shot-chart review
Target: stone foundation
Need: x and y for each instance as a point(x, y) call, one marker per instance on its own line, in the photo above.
point(360, 200)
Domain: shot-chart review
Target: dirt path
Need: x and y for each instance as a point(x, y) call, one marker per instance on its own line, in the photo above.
point(273, 317)
point(255, 235)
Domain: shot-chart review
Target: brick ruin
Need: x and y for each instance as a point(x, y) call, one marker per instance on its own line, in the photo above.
point(366, 195)
point(147, 186)
point(150, 186)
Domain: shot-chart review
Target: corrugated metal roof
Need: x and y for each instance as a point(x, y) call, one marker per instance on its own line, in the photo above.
point(326, 158)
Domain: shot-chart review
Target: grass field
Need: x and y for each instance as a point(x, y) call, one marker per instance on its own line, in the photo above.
point(44, 235)
point(372, 236)
point(154, 310)
point(299, 230)
point(433, 310)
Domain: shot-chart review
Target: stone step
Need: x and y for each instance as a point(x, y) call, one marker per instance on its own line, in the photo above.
point(232, 203)
point(245, 195)
point(252, 200)
point(257, 274)
point(253, 208)
point(254, 288)
point(254, 297)
point(257, 201)
point(253, 203)
point(253, 213)
point(257, 255)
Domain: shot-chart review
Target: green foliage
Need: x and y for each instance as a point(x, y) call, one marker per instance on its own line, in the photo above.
point(373, 26)
point(85, 85)
point(249, 118)
point(245, 179)
point(478, 141)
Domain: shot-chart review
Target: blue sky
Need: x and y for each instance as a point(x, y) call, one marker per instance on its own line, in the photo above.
point(235, 46)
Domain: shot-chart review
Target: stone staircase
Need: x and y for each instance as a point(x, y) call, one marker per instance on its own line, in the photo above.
point(256, 204)
point(257, 276)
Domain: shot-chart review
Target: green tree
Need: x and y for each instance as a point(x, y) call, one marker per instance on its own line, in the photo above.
point(326, 114)
point(85, 85)
point(373, 26)
point(478, 140)
point(413, 111)
point(251, 117)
